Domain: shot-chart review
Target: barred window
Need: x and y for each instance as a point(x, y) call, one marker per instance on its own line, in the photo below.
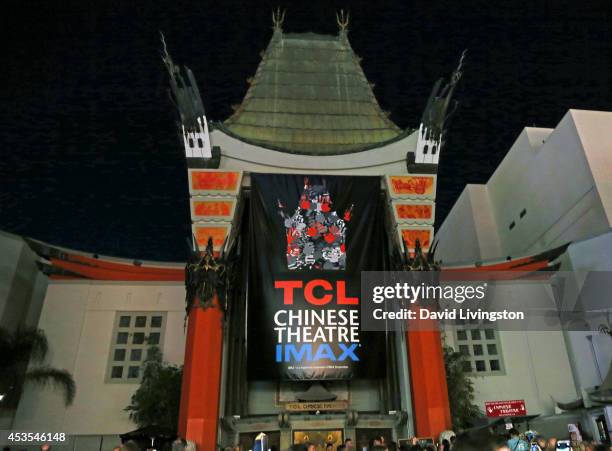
point(481, 349)
point(133, 334)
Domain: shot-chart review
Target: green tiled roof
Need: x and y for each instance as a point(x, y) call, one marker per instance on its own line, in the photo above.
point(310, 95)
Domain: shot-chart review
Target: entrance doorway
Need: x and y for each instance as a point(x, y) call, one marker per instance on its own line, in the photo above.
point(364, 436)
point(319, 438)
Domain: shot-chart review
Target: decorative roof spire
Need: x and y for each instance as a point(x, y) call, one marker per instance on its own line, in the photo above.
point(342, 20)
point(439, 110)
point(186, 97)
point(278, 18)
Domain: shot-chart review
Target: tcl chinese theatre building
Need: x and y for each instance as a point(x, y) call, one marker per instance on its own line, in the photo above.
point(309, 177)
point(308, 183)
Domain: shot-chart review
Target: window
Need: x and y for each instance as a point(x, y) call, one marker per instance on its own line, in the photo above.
point(434, 149)
point(481, 350)
point(425, 149)
point(511, 226)
point(523, 213)
point(133, 335)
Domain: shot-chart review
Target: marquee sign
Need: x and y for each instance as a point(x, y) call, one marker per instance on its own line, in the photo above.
point(310, 238)
point(514, 408)
point(313, 406)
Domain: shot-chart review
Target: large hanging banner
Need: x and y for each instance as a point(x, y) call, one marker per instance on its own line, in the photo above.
point(309, 239)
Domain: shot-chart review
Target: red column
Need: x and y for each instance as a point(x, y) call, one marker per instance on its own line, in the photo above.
point(428, 382)
point(199, 411)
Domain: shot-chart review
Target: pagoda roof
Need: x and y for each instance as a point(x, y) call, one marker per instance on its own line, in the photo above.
point(310, 96)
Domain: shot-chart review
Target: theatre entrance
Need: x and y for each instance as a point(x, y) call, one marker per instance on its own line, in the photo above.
point(319, 438)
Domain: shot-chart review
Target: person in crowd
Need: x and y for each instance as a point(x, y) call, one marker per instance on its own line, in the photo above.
point(480, 442)
point(329, 447)
point(130, 445)
point(117, 448)
point(311, 447)
point(551, 445)
point(348, 444)
point(45, 447)
point(378, 448)
point(516, 443)
point(341, 448)
point(444, 445)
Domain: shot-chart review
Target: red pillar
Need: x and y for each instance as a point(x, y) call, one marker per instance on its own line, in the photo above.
point(428, 382)
point(199, 411)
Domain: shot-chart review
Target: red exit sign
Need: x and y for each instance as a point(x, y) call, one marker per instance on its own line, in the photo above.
point(512, 408)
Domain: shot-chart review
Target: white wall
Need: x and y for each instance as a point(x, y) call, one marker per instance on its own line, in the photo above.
point(551, 178)
point(563, 178)
point(591, 353)
point(536, 369)
point(469, 233)
point(78, 319)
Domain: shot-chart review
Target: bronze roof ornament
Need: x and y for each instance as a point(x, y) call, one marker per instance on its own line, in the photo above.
point(278, 18)
point(342, 20)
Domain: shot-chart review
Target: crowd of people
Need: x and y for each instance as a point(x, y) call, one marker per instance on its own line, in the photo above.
point(483, 441)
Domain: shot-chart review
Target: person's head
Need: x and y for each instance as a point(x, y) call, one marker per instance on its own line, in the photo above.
point(117, 448)
point(348, 443)
point(329, 447)
point(45, 447)
point(601, 448)
point(310, 447)
point(481, 442)
point(130, 445)
point(513, 433)
point(552, 444)
point(375, 442)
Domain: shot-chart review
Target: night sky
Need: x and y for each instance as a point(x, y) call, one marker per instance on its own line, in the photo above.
point(90, 155)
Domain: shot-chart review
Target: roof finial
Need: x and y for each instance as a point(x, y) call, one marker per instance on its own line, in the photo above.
point(278, 18)
point(458, 71)
point(342, 20)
